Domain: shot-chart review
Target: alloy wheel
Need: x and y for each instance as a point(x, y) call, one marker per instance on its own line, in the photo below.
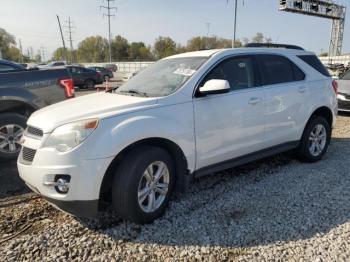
point(153, 186)
point(317, 140)
point(10, 136)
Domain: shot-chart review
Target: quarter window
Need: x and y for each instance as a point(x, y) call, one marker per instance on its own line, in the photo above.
point(238, 71)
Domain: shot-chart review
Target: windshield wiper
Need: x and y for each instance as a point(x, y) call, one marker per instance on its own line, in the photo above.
point(132, 91)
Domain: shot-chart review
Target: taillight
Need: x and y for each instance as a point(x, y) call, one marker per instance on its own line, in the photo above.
point(68, 86)
point(335, 86)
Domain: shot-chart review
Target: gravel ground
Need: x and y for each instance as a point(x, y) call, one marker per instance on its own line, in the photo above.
point(275, 209)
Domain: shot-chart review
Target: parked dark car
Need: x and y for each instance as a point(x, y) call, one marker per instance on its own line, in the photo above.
point(21, 93)
point(85, 77)
point(105, 72)
point(112, 67)
point(344, 92)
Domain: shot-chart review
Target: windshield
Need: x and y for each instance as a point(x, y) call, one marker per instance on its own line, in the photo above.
point(163, 77)
point(346, 76)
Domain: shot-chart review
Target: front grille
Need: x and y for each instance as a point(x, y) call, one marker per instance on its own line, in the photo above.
point(35, 131)
point(343, 105)
point(28, 154)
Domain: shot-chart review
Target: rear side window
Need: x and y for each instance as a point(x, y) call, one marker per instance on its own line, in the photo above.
point(276, 69)
point(298, 74)
point(314, 62)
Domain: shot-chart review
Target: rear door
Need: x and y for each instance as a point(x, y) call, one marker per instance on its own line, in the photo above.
point(230, 125)
point(286, 95)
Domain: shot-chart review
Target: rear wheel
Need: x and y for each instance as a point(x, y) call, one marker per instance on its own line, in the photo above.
point(143, 184)
point(89, 84)
point(12, 127)
point(315, 140)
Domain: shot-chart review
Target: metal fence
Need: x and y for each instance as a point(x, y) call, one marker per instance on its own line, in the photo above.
point(124, 67)
point(344, 59)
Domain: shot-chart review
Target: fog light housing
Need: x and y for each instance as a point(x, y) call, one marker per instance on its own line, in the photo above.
point(62, 186)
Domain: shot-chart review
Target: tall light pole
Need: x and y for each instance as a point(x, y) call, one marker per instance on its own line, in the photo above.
point(109, 8)
point(234, 26)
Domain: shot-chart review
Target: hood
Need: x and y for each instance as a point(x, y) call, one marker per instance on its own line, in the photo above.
point(98, 105)
point(344, 86)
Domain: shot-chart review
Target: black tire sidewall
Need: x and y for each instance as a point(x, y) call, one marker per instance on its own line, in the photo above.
point(12, 118)
point(126, 182)
point(91, 82)
point(303, 150)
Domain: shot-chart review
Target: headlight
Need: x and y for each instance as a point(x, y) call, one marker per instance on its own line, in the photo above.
point(68, 136)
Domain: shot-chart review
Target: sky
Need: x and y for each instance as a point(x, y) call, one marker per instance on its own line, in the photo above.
point(34, 22)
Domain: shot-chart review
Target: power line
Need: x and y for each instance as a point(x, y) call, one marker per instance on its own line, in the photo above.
point(109, 15)
point(69, 26)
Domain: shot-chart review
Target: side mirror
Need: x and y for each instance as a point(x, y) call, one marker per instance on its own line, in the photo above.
point(214, 86)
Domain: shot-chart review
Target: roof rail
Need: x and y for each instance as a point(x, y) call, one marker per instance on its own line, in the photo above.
point(270, 45)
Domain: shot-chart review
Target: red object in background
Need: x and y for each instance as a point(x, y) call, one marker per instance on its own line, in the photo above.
point(68, 86)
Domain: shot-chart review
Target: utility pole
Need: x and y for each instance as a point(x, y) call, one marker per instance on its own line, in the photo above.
point(64, 45)
point(234, 26)
point(20, 48)
point(109, 15)
point(69, 28)
point(42, 54)
point(207, 39)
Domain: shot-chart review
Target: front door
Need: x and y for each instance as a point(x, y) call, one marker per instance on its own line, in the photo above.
point(230, 125)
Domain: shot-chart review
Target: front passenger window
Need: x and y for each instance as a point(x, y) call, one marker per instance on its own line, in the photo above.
point(238, 71)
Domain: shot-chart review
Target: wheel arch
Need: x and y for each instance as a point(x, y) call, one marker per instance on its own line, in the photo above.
point(325, 112)
point(174, 150)
point(17, 106)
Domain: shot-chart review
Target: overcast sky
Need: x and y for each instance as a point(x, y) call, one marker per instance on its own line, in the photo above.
point(34, 21)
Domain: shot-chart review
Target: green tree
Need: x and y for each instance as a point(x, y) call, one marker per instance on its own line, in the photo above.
point(93, 49)
point(260, 38)
point(164, 46)
point(139, 52)
point(120, 46)
point(213, 42)
point(59, 54)
point(8, 47)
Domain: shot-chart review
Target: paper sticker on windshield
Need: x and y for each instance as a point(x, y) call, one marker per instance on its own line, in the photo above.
point(184, 71)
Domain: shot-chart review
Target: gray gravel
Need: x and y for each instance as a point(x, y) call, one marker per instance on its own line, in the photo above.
point(276, 209)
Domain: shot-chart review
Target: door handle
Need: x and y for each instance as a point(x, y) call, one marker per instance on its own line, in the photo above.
point(254, 101)
point(301, 89)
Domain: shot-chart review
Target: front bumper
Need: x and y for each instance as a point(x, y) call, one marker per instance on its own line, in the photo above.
point(76, 208)
point(86, 177)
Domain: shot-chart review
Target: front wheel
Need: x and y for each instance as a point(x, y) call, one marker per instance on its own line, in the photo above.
point(89, 84)
point(143, 184)
point(315, 140)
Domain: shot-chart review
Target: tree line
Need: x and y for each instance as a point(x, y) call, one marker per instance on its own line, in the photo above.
point(95, 49)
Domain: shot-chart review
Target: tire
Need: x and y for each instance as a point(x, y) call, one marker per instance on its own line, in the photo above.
point(130, 184)
point(89, 84)
point(305, 151)
point(10, 140)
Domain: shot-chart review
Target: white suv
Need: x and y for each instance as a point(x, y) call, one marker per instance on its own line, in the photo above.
point(185, 116)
